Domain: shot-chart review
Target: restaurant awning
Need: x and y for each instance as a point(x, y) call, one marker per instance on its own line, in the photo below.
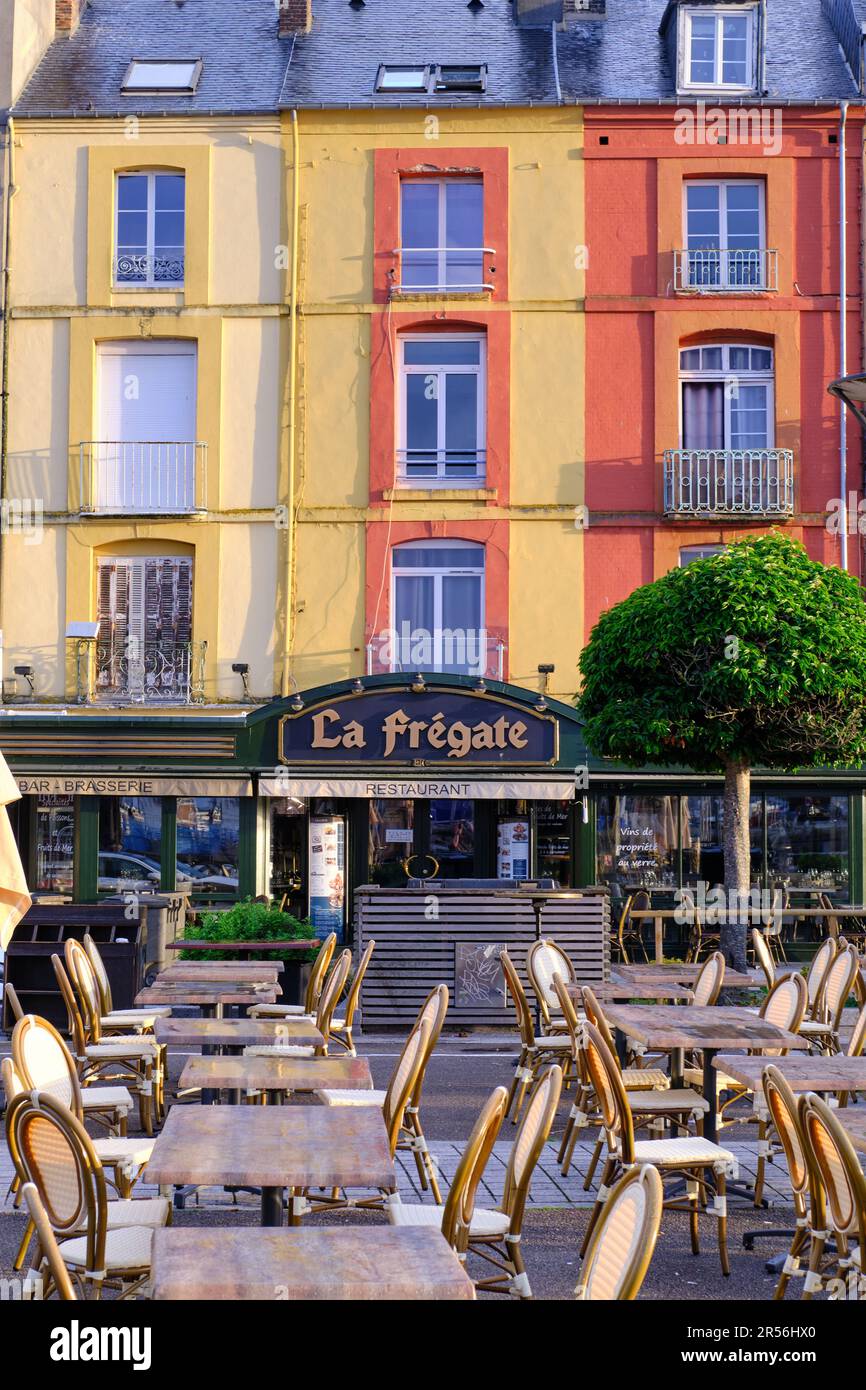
point(423, 787)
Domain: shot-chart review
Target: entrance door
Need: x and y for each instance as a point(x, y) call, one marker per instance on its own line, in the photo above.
point(421, 839)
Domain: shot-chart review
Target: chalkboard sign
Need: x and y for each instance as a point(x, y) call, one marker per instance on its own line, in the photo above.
point(478, 978)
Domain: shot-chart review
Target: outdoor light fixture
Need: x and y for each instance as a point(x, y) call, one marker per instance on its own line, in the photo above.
point(297, 704)
point(242, 669)
point(357, 686)
point(418, 686)
point(480, 686)
point(27, 673)
point(546, 669)
point(852, 391)
point(541, 704)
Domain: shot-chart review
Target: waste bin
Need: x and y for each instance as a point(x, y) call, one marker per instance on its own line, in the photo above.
point(164, 919)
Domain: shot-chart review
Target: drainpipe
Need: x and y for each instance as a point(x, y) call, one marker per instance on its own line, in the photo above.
point(843, 332)
point(293, 377)
point(555, 62)
point(4, 367)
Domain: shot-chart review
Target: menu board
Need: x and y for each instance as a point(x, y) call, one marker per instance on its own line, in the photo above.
point(327, 874)
point(512, 850)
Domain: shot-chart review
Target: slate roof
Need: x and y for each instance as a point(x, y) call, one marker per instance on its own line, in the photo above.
point(247, 68)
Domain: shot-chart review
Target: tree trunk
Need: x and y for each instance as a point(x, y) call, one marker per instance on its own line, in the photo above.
point(738, 872)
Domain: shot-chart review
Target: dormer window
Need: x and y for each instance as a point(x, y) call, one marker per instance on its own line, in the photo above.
point(152, 75)
point(718, 44)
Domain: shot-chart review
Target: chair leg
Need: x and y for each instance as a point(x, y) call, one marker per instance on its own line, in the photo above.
point(593, 1164)
point(18, 1262)
point(721, 1205)
point(790, 1266)
point(813, 1278)
point(610, 1168)
point(512, 1092)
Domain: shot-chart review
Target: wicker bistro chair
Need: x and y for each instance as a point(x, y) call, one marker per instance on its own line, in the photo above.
point(774, 925)
point(822, 1030)
point(629, 934)
point(621, 1249)
point(545, 959)
point(116, 1020)
point(411, 1136)
point(102, 1243)
point(535, 1052)
point(328, 1000)
point(834, 1162)
point(817, 975)
point(807, 1196)
point(704, 1166)
point(401, 1088)
point(848, 930)
point(83, 974)
point(315, 985)
point(708, 985)
point(855, 1048)
point(653, 1104)
point(764, 956)
point(455, 1218)
point(132, 1062)
point(58, 1275)
point(341, 1028)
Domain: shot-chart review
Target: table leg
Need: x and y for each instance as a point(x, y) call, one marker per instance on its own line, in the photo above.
point(660, 939)
point(621, 1046)
point(272, 1206)
point(710, 1095)
point(678, 1063)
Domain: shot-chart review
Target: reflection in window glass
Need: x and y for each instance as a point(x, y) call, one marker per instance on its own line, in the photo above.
point(55, 834)
point(553, 841)
point(207, 844)
point(452, 837)
point(130, 832)
point(391, 836)
point(807, 841)
point(637, 841)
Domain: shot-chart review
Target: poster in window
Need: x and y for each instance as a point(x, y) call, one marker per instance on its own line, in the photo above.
point(512, 857)
point(327, 874)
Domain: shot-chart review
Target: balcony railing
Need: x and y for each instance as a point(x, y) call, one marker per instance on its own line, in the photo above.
point(441, 467)
point(725, 482)
point(442, 270)
point(709, 271)
point(460, 651)
point(170, 673)
point(165, 270)
point(132, 477)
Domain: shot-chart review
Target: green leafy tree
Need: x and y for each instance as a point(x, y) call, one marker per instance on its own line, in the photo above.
point(755, 657)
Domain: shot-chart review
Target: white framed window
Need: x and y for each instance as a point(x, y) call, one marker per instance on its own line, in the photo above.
point(441, 431)
point(726, 397)
point(690, 553)
point(719, 47)
point(725, 234)
point(146, 458)
point(392, 78)
point(179, 75)
point(437, 607)
point(149, 230)
point(442, 235)
point(425, 79)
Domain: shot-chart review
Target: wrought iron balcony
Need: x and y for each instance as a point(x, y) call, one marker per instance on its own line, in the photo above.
point(442, 467)
point(441, 270)
point(709, 271)
point(135, 477)
point(729, 482)
point(164, 271)
point(148, 673)
point(460, 651)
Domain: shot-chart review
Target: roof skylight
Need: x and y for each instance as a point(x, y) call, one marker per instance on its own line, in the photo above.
point(162, 75)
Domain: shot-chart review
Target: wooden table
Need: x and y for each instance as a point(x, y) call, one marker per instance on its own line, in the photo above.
point(273, 1147)
point(680, 1028)
point(240, 971)
point(802, 1073)
point(854, 1124)
point(685, 973)
point(618, 989)
point(236, 1074)
point(285, 948)
point(210, 996)
point(359, 1263)
point(233, 1032)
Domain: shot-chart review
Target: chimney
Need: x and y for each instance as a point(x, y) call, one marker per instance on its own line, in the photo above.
point(66, 15)
point(296, 17)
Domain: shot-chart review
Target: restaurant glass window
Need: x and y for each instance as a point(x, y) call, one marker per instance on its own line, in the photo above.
point(638, 840)
point(452, 837)
point(55, 841)
point(288, 853)
point(553, 841)
point(207, 844)
point(807, 841)
point(391, 836)
point(130, 836)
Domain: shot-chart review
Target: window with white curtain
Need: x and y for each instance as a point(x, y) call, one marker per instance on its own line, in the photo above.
point(727, 397)
point(437, 607)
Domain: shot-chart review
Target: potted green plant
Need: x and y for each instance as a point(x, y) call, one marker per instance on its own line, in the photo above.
point(254, 921)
